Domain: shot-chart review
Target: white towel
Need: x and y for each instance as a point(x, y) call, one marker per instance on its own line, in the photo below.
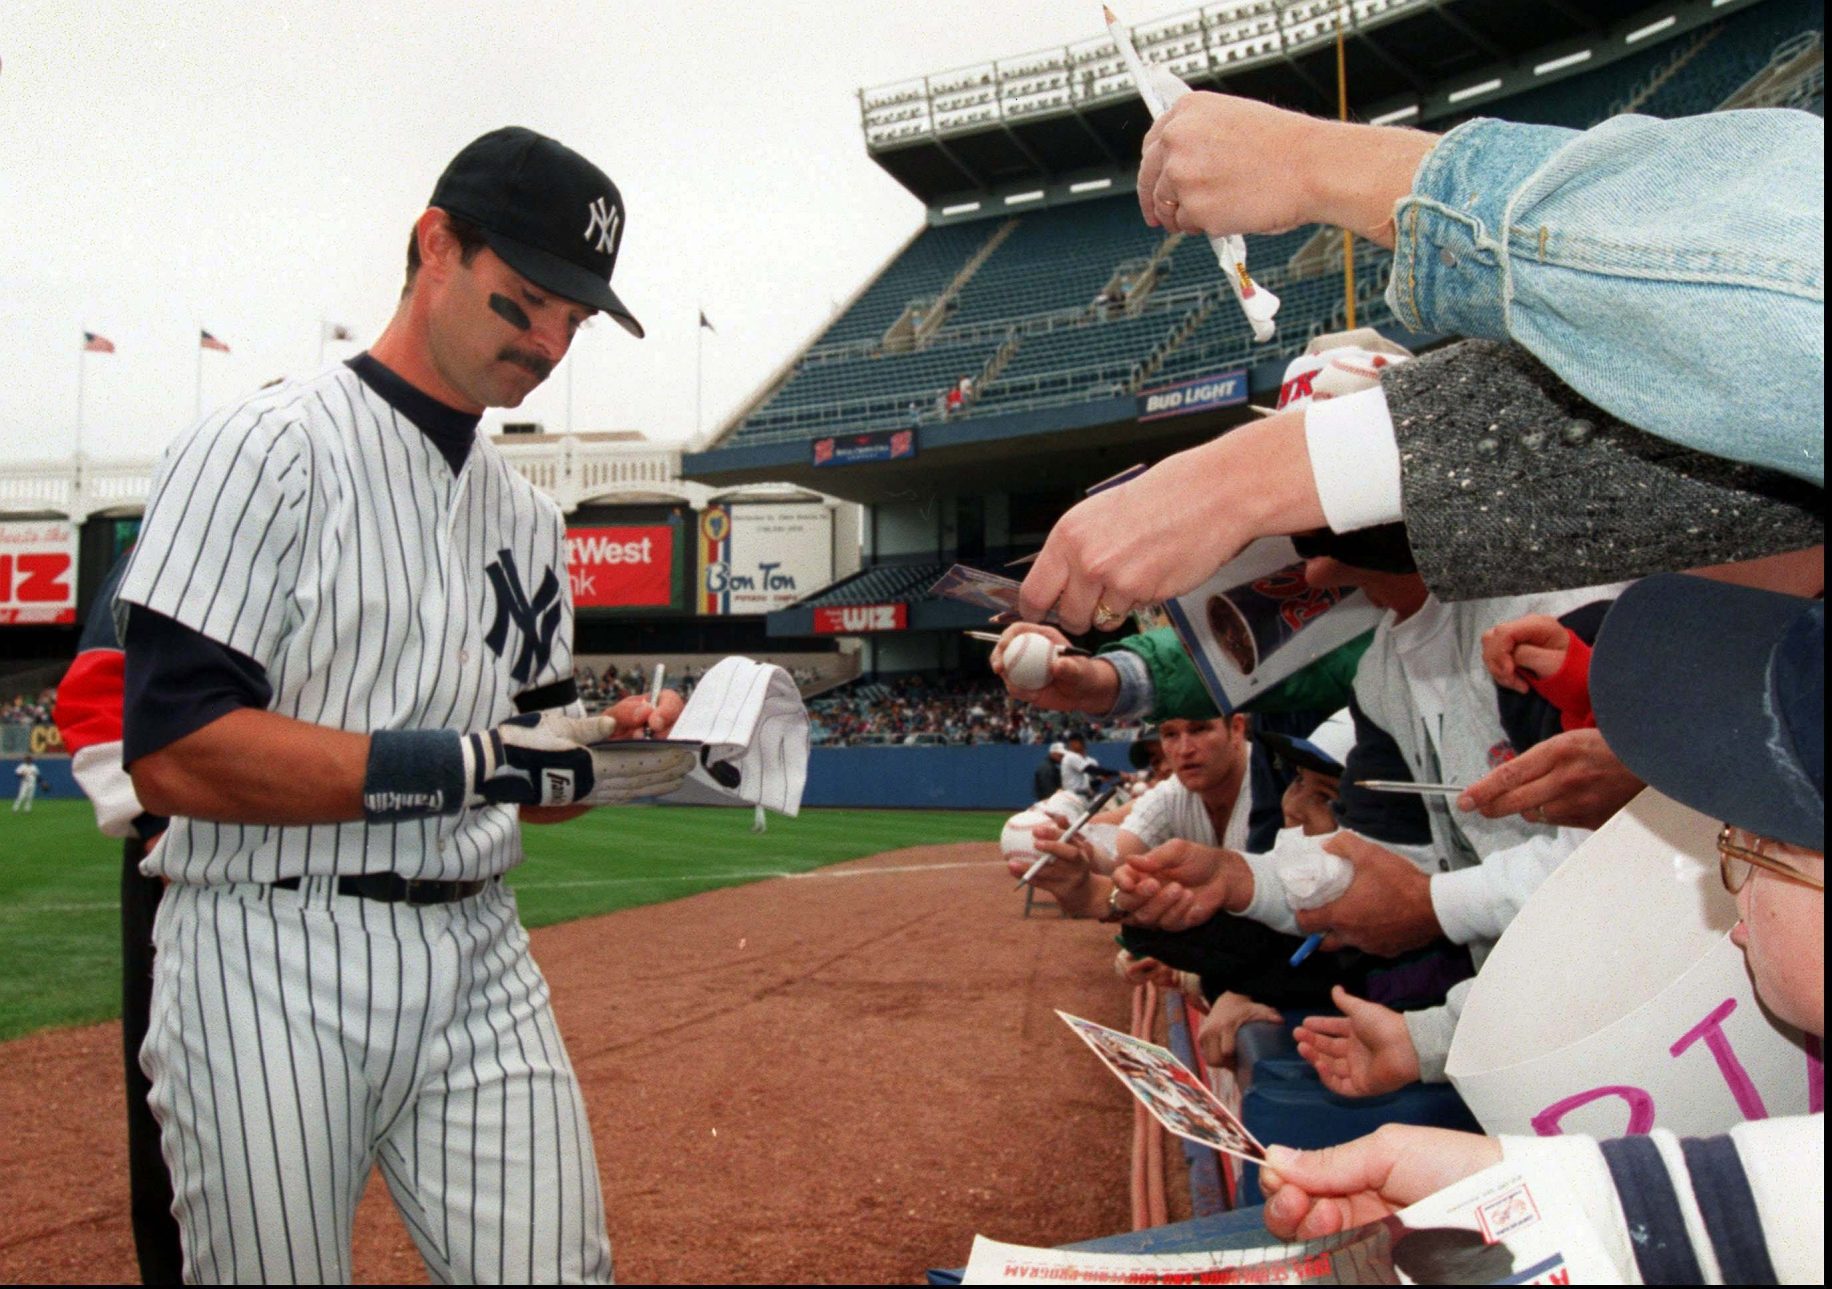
point(751, 719)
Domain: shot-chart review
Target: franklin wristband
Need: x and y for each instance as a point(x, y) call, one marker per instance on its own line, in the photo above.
point(414, 774)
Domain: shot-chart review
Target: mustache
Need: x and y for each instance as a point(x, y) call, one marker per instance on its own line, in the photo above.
point(532, 362)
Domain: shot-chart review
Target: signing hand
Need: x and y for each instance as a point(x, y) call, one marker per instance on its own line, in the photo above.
point(1226, 1015)
point(1364, 1052)
point(1313, 1193)
point(1386, 910)
point(634, 715)
point(1077, 684)
point(1535, 645)
point(1069, 877)
point(1571, 779)
point(1179, 885)
point(1168, 530)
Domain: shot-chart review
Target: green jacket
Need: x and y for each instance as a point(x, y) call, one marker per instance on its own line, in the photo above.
point(1178, 692)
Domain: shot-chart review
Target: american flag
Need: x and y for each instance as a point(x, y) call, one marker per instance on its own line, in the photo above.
point(336, 331)
point(94, 344)
point(209, 341)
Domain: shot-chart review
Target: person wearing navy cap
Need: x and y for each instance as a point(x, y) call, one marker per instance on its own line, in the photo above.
point(1715, 695)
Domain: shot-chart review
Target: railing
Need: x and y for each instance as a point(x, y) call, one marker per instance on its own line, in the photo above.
point(568, 469)
point(1197, 43)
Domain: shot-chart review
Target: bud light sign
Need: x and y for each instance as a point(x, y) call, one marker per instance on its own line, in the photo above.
point(1200, 395)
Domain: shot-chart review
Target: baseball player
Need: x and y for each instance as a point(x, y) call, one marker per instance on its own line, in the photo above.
point(348, 637)
point(28, 785)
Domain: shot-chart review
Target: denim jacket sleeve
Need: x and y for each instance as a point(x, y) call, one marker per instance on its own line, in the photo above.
point(1672, 272)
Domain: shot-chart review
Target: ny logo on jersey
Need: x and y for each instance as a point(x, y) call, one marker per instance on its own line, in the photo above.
point(603, 219)
point(537, 619)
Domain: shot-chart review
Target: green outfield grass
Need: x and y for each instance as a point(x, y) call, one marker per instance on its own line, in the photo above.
point(60, 879)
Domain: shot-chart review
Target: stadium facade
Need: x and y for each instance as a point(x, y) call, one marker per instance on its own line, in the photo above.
point(1090, 342)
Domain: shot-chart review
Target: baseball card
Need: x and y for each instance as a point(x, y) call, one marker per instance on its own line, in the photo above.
point(1257, 620)
point(984, 590)
point(1176, 1098)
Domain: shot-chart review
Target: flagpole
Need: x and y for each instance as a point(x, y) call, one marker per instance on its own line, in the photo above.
point(199, 415)
point(1342, 109)
point(699, 375)
point(82, 365)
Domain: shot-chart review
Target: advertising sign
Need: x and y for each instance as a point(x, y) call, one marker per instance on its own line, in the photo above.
point(37, 571)
point(1199, 395)
point(862, 449)
point(627, 566)
point(756, 557)
point(852, 619)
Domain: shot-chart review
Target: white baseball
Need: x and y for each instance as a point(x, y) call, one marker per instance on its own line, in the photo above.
point(1016, 840)
point(1027, 661)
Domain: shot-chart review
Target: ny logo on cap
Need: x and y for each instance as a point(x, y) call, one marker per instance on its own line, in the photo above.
point(604, 219)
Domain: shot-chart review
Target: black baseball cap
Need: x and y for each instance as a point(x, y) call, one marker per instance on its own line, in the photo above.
point(1716, 695)
point(551, 215)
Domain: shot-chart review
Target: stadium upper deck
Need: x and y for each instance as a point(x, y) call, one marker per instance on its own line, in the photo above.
point(1037, 281)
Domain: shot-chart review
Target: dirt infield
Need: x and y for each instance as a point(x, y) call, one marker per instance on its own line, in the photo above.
point(835, 1077)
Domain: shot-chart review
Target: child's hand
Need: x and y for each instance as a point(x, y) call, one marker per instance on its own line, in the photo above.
point(1530, 647)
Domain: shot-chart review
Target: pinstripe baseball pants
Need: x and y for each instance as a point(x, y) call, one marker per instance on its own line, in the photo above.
point(301, 1038)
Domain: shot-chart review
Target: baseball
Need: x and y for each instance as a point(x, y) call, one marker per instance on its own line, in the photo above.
point(1027, 661)
point(1016, 840)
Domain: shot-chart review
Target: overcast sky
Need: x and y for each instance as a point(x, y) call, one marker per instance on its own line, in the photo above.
point(253, 168)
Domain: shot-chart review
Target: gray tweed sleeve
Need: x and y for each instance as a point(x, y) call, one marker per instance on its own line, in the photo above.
point(1513, 484)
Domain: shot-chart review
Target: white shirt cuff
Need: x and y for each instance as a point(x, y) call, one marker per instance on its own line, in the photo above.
point(1354, 458)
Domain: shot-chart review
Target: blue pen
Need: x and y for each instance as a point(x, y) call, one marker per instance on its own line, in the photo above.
point(1309, 947)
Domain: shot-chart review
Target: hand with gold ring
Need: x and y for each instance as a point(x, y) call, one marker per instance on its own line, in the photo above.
point(1168, 530)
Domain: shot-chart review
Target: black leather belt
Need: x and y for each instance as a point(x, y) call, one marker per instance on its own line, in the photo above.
point(392, 888)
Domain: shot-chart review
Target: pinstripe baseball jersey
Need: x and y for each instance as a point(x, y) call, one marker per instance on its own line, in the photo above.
point(317, 531)
point(1171, 812)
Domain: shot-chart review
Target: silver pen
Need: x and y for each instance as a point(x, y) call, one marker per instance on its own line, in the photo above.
point(1093, 809)
point(1418, 789)
point(655, 695)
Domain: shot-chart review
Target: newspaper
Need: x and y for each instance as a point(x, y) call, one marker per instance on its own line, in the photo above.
point(1505, 1225)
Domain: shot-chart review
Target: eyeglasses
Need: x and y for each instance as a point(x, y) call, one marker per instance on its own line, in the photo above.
point(1740, 854)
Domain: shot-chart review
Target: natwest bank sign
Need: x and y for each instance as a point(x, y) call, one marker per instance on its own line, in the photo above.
point(37, 571)
point(854, 619)
point(621, 567)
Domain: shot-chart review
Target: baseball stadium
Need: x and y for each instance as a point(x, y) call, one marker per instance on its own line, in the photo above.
point(859, 761)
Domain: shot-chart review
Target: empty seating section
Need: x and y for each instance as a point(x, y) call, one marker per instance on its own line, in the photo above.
point(924, 269)
point(1056, 261)
point(1742, 49)
point(1034, 294)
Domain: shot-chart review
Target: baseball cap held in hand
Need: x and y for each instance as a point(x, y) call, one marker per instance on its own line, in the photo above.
point(550, 214)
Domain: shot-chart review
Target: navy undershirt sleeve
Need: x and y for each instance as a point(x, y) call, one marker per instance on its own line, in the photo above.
point(178, 681)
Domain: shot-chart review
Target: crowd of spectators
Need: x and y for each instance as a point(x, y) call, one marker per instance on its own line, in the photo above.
point(942, 709)
point(602, 687)
point(1596, 575)
point(24, 710)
